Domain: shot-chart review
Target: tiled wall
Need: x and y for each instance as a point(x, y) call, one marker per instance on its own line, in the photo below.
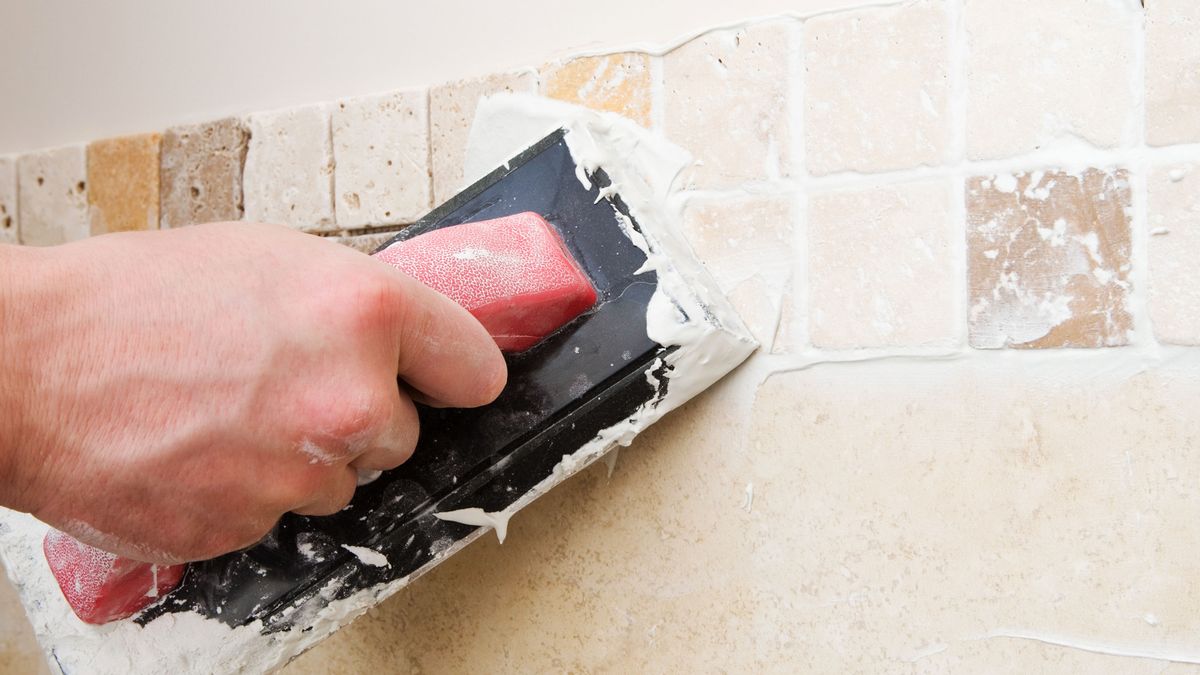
point(928, 174)
point(892, 189)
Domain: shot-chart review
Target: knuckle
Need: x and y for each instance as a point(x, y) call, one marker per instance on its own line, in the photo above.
point(371, 301)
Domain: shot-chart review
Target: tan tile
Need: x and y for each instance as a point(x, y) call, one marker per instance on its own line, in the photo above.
point(905, 516)
point(10, 231)
point(201, 176)
point(123, 178)
point(1172, 71)
point(881, 267)
point(451, 113)
point(289, 169)
point(1039, 71)
point(1174, 222)
point(381, 151)
point(875, 88)
point(619, 83)
point(727, 102)
point(746, 244)
point(52, 196)
point(1049, 259)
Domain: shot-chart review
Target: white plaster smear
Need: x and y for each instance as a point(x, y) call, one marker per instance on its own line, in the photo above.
point(711, 341)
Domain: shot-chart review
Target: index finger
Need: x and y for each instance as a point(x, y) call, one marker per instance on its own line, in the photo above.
point(444, 352)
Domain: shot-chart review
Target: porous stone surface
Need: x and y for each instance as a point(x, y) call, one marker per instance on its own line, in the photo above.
point(1172, 71)
point(381, 148)
point(881, 267)
point(10, 230)
point(451, 114)
point(1049, 259)
point(876, 88)
point(201, 174)
point(123, 188)
point(1174, 224)
point(727, 101)
point(746, 244)
point(52, 196)
point(618, 83)
point(288, 177)
point(1040, 72)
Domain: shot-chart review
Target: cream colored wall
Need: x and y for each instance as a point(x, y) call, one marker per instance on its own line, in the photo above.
point(82, 71)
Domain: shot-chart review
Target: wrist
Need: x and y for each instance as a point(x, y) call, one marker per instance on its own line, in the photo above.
point(23, 318)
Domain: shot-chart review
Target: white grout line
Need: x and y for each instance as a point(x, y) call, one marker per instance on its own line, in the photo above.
point(957, 108)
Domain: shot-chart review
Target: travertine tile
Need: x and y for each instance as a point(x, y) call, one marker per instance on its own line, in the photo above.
point(289, 168)
point(451, 113)
point(201, 179)
point(52, 196)
point(123, 190)
point(619, 83)
point(1172, 71)
point(881, 267)
point(876, 88)
point(746, 244)
point(381, 149)
point(1040, 70)
point(1049, 259)
point(9, 223)
point(869, 517)
point(1174, 222)
point(727, 103)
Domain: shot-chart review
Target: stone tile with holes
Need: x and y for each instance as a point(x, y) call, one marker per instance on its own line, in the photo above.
point(1042, 71)
point(875, 94)
point(201, 174)
point(618, 83)
point(381, 149)
point(1172, 71)
point(52, 196)
point(881, 269)
point(451, 114)
point(10, 232)
point(727, 102)
point(123, 188)
point(289, 168)
point(1174, 222)
point(746, 244)
point(1049, 259)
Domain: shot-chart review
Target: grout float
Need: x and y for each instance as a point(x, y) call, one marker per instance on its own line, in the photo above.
point(643, 168)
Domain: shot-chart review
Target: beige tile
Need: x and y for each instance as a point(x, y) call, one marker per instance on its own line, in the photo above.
point(904, 517)
point(875, 88)
point(1040, 71)
point(289, 169)
point(19, 652)
point(201, 176)
point(123, 176)
point(727, 102)
point(1174, 222)
point(881, 267)
point(1172, 71)
point(10, 230)
point(52, 196)
point(746, 244)
point(618, 83)
point(451, 114)
point(1049, 259)
point(381, 149)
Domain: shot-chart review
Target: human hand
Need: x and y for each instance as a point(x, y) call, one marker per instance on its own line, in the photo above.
point(175, 392)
